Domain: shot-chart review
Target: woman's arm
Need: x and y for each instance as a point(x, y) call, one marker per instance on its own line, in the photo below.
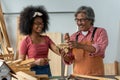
point(22, 56)
point(67, 57)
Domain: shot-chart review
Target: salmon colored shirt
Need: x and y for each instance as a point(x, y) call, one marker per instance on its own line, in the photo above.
point(35, 50)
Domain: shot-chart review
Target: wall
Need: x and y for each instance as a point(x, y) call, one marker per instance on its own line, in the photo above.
point(62, 18)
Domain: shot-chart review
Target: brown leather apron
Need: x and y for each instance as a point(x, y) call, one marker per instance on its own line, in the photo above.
point(84, 64)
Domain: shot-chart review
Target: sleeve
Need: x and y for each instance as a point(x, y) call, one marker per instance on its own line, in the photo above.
point(101, 43)
point(23, 47)
point(70, 55)
point(49, 41)
point(73, 37)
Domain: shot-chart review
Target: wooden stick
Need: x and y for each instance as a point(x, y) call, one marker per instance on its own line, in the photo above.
point(66, 70)
point(23, 76)
point(92, 77)
point(3, 28)
point(118, 77)
point(27, 61)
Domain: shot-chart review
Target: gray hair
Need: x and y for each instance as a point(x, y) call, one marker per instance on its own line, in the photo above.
point(88, 11)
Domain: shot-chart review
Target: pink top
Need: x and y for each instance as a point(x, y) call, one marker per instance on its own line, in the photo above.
point(100, 40)
point(35, 50)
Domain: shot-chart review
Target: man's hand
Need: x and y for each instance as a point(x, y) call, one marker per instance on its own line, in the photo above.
point(73, 44)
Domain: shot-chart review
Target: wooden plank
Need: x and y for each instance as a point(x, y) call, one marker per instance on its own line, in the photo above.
point(25, 76)
point(27, 61)
point(118, 68)
point(32, 73)
point(55, 63)
point(2, 43)
point(7, 57)
point(19, 39)
point(16, 61)
point(111, 68)
point(4, 39)
point(66, 70)
point(118, 77)
point(93, 77)
point(3, 28)
point(42, 77)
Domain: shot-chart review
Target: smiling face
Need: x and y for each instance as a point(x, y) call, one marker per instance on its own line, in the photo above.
point(38, 25)
point(83, 23)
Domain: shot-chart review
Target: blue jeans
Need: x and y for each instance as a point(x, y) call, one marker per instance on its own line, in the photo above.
point(42, 70)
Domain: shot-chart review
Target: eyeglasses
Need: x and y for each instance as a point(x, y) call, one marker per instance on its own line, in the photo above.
point(38, 24)
point(81, 20)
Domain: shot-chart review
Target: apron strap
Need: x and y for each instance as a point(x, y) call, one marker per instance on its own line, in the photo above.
point(92, 37)
point(77, 37)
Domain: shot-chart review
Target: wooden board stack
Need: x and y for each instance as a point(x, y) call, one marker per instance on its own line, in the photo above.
point(22, 70)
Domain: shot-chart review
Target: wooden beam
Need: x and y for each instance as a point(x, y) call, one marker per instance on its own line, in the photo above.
point(93, 77)
point(23, 76)
point(27, 61)
point(3, 27)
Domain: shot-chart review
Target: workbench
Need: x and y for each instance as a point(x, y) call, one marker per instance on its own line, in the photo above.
point(83, 77)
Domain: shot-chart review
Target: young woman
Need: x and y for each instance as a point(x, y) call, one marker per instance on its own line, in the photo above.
point(34, 21)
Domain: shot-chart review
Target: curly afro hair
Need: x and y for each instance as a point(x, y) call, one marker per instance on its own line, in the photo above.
point(26, 19)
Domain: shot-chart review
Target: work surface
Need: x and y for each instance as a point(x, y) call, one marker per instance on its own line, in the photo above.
point(72, 77)
point(82, 77)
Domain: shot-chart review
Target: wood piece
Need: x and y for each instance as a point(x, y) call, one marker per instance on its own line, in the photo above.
point(32, 73)
point(4, 41)
point(7, 57)
point(14, 78)
point(3, 28)
point(111, 68)
point(23, 76)
point(118, 77)
point(93, 77)
point(118, 68)
point(27, 61)
point(20, 69)
point(3, 33)
point(55, 59)
point(64, 46)
point(66, 70)
point(42, 77)
point(17, 61)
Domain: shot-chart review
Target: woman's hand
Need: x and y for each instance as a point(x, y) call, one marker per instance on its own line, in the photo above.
point(66, 56)
point(66, 37)
point(42, 61)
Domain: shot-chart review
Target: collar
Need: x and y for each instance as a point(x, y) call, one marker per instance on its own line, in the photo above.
point(90, 30)
point(84, 32)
